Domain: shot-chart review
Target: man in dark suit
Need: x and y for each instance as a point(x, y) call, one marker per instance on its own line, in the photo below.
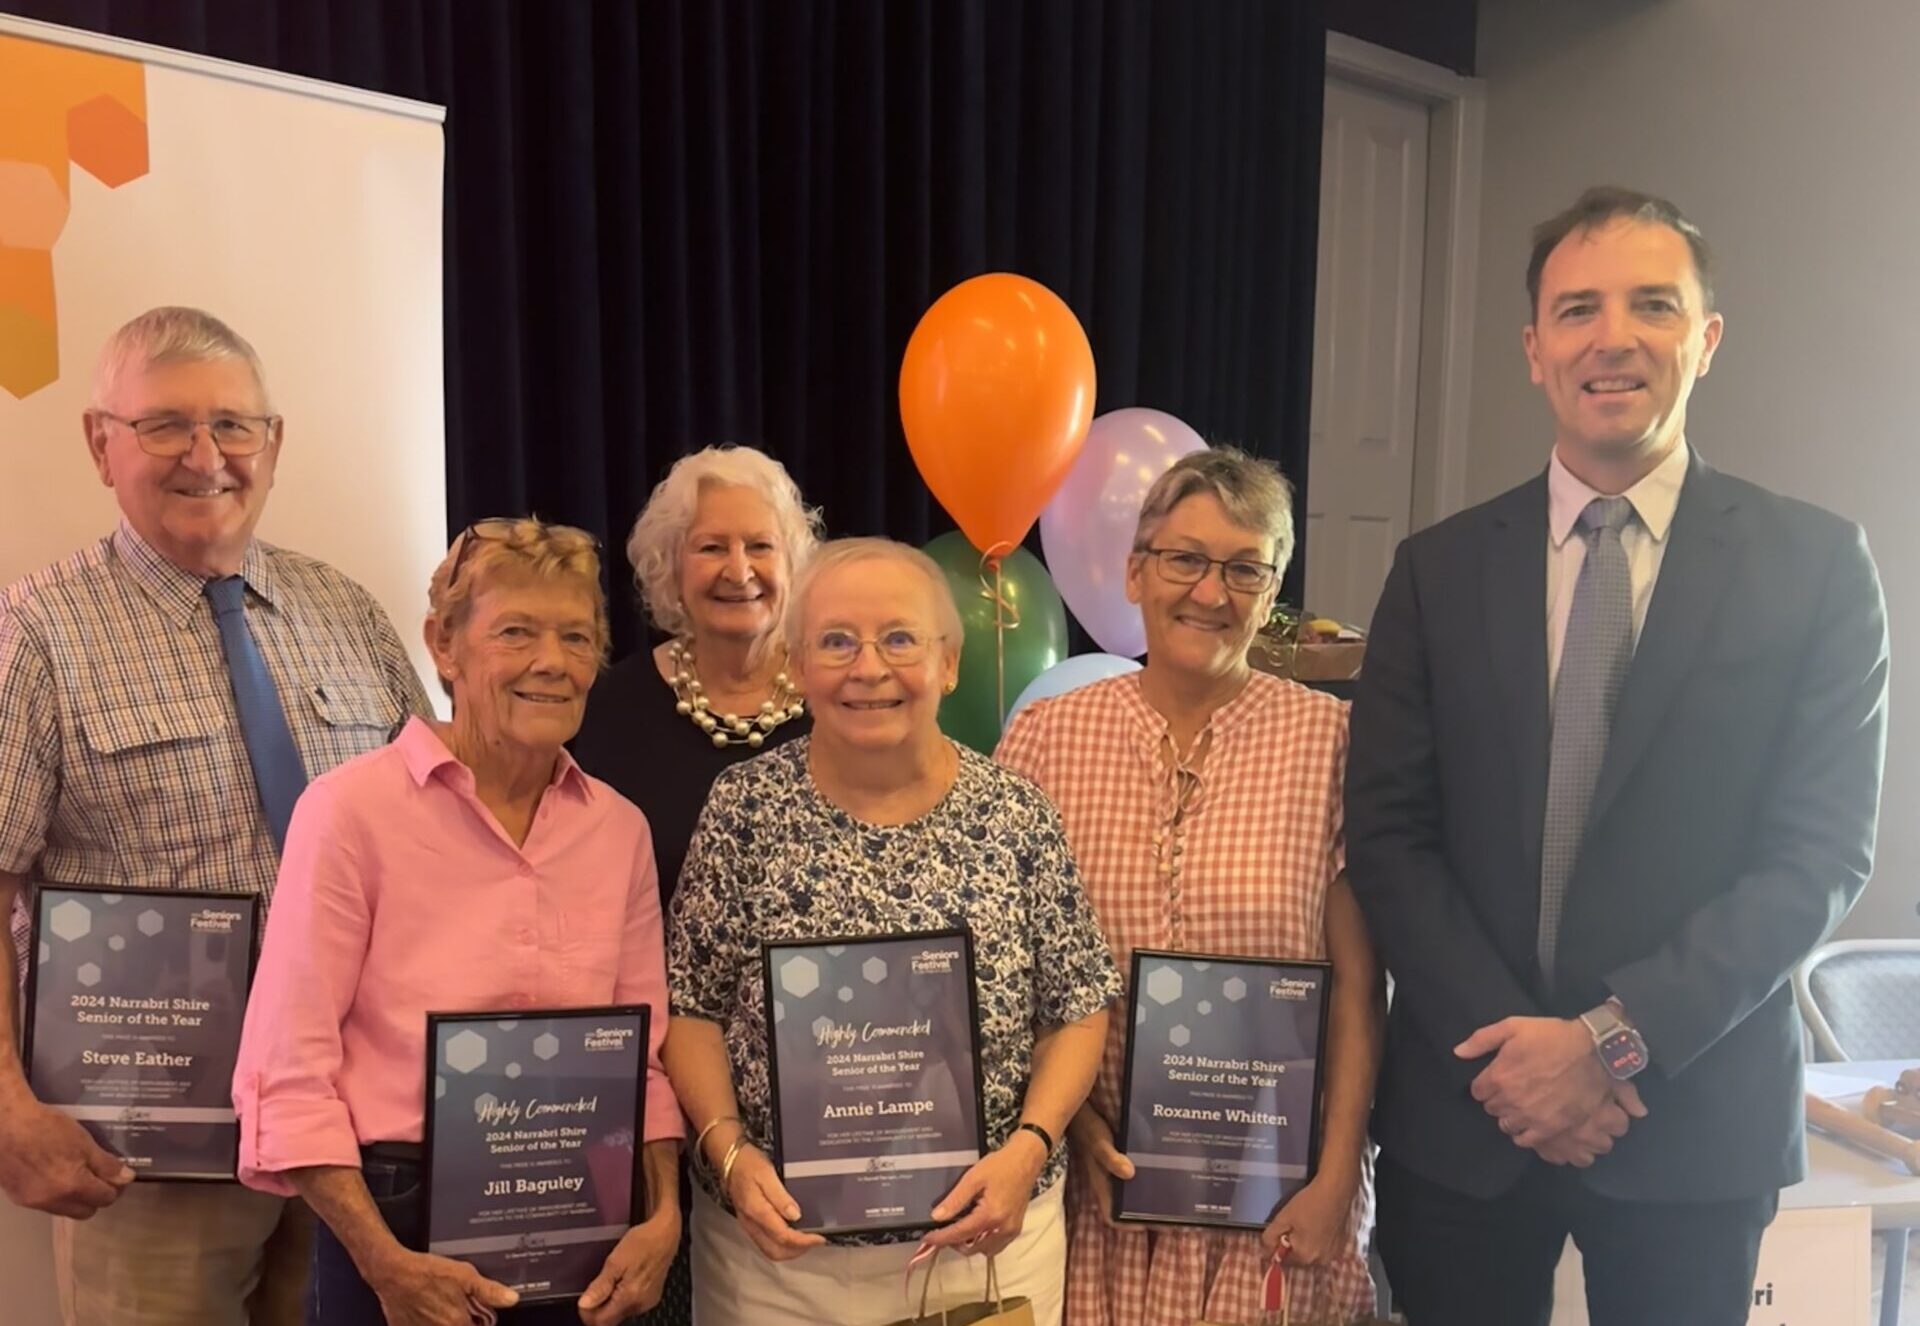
point(1615, 769)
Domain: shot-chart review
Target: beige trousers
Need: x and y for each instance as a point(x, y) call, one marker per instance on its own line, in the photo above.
point(186, 1254)
point(733, 1285)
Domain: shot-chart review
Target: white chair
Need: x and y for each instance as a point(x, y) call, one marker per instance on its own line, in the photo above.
point(1860, 999)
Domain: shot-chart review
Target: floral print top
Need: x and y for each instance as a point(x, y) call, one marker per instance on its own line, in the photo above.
point(772, 859)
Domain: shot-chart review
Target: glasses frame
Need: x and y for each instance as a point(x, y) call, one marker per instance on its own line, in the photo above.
point(1160, 555)
point(473, 533)
point(269, 432)
point(814, 649)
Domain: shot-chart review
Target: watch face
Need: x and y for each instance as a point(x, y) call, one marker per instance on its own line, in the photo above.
point(1623, 1053)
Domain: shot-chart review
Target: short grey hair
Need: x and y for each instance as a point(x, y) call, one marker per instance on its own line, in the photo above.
point(660, 533)
point(1254, 492)
point(171, 334)
point(848, 552)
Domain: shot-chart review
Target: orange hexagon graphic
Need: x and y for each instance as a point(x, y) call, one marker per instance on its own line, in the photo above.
point(59, 108)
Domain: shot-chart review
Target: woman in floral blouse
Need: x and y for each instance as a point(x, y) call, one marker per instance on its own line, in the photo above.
point(1203, 799)
point(878, 824)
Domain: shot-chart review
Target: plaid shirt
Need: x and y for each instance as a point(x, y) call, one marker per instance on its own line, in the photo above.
point(1235, 859)
point(121, 756)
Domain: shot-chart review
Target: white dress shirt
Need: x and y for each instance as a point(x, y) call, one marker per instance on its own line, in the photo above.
point(1644, 540)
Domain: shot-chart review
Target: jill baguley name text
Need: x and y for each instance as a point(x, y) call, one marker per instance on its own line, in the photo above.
point(532, 1187)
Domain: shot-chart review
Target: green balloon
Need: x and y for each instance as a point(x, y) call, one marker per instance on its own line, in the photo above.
point(975, 711)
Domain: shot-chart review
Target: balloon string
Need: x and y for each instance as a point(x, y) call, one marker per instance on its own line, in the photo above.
point(1006, 617)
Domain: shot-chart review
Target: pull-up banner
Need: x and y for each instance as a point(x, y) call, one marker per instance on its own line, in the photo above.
point(305, 215)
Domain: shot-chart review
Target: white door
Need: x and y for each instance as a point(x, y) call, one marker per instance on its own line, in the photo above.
point(1366, 350)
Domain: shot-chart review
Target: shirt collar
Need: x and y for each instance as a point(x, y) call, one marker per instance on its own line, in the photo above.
point(425, 753)
point(178, 592)
point(1654, 498)
point(1150, 725)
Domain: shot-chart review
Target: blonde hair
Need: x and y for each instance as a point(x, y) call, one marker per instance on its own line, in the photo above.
point(1253, 492)
point(514, 545)
point(847, 552)
point(660, 533)
point(168, 335)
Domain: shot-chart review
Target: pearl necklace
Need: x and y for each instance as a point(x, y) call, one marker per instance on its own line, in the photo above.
point(728, 729)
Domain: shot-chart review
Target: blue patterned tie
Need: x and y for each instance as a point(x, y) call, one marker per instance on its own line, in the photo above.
point(277, 771)
point(1593, 665)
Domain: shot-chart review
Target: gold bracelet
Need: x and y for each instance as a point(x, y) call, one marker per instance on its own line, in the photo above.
point(700, 1142)
point(740, 1143)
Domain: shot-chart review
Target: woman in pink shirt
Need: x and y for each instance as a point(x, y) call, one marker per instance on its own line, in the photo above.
point(469, 866)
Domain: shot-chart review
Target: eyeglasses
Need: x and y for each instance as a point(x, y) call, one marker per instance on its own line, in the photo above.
point(171, 435)
point(899, 647)
point(1178, 566)
point(491, 527)
point(498, 527)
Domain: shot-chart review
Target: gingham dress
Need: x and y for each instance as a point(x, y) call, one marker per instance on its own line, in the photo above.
point(1253, 853)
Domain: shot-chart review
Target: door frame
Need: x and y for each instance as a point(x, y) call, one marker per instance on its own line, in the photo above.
point(1456, 134)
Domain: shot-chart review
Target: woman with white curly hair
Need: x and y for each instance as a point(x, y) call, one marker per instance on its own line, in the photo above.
point(714, 552)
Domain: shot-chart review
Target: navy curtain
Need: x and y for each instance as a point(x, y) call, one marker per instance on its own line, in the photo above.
point(679, 222)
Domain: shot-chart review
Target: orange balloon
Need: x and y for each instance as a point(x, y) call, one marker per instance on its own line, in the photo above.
point(996, 394)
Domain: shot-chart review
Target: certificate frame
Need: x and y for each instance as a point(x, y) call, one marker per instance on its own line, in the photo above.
point(106, 923)
point(775, 953)
point(1209, 969)
point(506, 1244)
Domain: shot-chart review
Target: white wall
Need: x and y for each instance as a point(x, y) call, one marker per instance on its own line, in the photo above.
point(1787, 130)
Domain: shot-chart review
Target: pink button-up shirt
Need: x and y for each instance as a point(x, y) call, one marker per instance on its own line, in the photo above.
point(399, 893)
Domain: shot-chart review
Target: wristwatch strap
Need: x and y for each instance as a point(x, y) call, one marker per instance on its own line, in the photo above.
point(1046, 1138)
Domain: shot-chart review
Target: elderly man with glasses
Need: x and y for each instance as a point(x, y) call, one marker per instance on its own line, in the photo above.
point(165, 695)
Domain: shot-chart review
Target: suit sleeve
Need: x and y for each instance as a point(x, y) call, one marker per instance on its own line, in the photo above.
point(1812, 838)
point(1447, 974)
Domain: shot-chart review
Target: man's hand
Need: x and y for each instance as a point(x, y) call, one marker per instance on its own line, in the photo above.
point(1544, 1079)
point(1582, 1144)
point(50, 1163)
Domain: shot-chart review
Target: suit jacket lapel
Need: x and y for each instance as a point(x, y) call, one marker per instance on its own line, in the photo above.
point(1694, 574)
point(1514, 578)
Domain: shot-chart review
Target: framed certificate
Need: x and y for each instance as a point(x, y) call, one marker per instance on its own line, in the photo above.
point(533, 1142)
point(875, 1071)
point(134, 1004)
point(1220, 1104)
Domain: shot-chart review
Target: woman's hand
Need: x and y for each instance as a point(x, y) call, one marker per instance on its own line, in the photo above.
point(765, 1209)
point(991, 1199)
point(1090, 1144)
point(636, 1270)
point(1314, 1222)
point(419, 1289)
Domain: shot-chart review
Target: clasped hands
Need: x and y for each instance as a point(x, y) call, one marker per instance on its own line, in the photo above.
point(1547, 1090)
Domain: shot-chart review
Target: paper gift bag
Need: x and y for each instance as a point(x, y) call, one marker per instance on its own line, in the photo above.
point(991, 1310)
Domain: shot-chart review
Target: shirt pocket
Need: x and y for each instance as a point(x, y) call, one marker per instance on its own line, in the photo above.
point(350, 718)
point(165, 774)
point(590, 957)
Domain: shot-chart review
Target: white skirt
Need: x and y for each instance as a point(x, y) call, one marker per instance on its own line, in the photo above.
point(733, 1285)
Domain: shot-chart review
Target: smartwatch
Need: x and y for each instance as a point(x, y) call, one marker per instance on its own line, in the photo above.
point(1622, 1051)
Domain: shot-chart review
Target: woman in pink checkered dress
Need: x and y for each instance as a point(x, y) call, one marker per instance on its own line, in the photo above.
point(1202, 800)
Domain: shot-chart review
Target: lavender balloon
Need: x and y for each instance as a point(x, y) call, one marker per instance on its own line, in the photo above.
point(1087, 529)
